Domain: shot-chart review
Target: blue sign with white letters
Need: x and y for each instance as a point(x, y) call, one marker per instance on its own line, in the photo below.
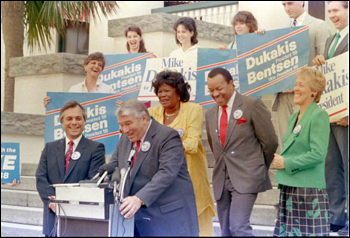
point(101, 124)
point(10, 162)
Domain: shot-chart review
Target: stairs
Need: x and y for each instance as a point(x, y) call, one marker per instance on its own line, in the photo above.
point(21, 206)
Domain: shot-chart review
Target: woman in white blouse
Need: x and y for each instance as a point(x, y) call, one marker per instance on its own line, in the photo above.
point(93, 66)
point(185, 36)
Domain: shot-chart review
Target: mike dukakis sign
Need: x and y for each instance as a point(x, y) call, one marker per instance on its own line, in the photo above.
point(268, 63)
point(101, 124)
point(335, 98)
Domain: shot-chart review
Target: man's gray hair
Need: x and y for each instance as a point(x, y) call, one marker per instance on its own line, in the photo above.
point(133, 107)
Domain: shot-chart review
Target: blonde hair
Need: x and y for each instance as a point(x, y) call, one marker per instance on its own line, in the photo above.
point(316, 81)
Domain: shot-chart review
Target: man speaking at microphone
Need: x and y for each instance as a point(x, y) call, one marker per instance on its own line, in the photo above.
point(158, 189)
point(68, 160)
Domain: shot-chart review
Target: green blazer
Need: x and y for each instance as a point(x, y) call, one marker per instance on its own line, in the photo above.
point(304, 149)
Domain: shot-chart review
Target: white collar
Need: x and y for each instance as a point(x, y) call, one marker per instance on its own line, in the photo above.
point(232, 99)
point(144, 135)
point(344, 32)
point(76, 141)
point(193, 47)
point(300, 19)
point(98, 82)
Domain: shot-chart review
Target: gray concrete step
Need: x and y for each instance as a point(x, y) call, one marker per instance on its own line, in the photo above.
point(20, 230)
point(21, 198)
point(23, 215)
point(28, 183)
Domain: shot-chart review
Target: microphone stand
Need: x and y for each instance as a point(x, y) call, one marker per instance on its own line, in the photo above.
point(118, 225)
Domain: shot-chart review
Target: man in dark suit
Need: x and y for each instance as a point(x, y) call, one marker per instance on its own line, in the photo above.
point(337, 160)
point(68, 160)
point(243, 140)
point(158, 190)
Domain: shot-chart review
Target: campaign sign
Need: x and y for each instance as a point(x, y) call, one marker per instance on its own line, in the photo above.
point(268, 63)
point(335, 98)
point(10, 164)
point(124, 72)
point(101, 124)
point(209, 59)
point(186, 66)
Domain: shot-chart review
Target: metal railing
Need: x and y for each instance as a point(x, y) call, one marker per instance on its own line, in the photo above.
point(219, 12)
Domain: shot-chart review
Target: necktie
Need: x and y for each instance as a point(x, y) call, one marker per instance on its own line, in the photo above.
point(294, 24)
point(68, 155)
point(137, 151)
point(331, 53)
point(223, 125)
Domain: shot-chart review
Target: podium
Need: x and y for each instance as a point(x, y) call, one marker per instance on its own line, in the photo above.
point(85, 211)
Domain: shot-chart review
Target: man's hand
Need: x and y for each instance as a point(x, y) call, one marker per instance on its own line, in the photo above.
point(319, 60)
point(343, 121)
point(130, 205)
point(52, 206)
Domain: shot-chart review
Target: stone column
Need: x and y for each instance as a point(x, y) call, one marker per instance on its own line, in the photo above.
point(36, 75)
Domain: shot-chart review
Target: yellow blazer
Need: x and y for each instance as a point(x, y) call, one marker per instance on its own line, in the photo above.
point(189, 124)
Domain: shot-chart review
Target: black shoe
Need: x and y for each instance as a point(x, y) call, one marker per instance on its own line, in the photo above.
point(344, 231)
point(336, 228)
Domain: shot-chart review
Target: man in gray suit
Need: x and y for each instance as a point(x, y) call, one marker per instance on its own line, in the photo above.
point(68, 160)
point(158, 190)
point(318, 33)
point(243, 141)
point(337, 160)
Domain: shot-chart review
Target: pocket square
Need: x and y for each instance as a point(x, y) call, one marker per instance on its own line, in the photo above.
point(241, 120)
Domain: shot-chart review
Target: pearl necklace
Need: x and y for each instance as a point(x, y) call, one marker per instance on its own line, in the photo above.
point(170, 115)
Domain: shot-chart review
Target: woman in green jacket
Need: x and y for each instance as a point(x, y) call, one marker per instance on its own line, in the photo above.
point(304, 207)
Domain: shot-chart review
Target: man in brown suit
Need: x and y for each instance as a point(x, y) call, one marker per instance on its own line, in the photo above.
point(243, 141)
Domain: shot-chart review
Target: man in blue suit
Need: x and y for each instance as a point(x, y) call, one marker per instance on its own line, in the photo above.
point(68, 160)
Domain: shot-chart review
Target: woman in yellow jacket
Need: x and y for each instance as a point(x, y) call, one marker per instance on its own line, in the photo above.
point(187, 118)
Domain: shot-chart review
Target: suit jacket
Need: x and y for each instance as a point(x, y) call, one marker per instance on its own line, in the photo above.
point(249, 147)
point(305, 150)
point(161, 180)
point(342, 47)
point(51, 171)
point(318, 33)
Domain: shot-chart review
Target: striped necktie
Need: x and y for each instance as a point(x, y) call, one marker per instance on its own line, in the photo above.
point(68, 155)
point(331, 53)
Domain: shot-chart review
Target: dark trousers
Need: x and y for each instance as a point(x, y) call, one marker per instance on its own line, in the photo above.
point(234, 210)
point(337, 173)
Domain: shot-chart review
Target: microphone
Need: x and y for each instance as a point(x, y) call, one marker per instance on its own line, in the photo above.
point(131, 155)
point(123, 173)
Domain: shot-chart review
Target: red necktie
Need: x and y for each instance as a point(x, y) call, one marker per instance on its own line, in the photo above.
point(68, 155)
point(223, 125)
point(137, 151)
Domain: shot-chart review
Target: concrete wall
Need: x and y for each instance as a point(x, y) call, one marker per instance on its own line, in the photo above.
point(26, 129)
point(36, 75)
